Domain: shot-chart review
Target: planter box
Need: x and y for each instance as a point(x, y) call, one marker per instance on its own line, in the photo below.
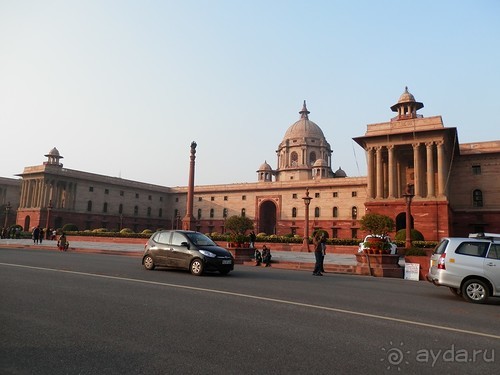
point(380, 265)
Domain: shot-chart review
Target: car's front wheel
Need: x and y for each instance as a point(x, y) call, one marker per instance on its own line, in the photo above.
point(475, 291)
point(148, 262)
point(196, 267)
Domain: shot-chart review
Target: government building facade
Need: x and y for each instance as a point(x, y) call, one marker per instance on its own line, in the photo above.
point(453, 188)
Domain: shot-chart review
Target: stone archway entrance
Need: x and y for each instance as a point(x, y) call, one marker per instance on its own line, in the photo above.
point(267, 218)
point(401, 221)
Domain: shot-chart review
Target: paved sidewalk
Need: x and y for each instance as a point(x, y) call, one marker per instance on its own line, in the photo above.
point(136, 250)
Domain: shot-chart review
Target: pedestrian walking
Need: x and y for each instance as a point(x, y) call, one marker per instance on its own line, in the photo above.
point(253, 237)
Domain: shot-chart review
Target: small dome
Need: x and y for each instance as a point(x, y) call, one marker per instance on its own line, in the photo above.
point(265, 167)
point(320, 163)
point(340, 173)
point(406, 97)
point(53, 152)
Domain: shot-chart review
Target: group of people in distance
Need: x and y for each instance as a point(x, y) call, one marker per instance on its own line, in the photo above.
point(38, 233)
point(264, 257)
point(319, 243)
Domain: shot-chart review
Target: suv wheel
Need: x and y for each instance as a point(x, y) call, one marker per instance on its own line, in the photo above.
point(148, 262)
point(196, 267)
point(475, 291)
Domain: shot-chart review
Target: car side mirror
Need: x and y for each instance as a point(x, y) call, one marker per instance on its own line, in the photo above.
point(185, 244)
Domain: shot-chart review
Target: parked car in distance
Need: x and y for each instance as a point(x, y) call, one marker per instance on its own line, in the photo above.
point(392, 247)
point(188, 250)
point(470, 267)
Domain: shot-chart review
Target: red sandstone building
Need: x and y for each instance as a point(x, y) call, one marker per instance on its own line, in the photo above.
point(455, 187)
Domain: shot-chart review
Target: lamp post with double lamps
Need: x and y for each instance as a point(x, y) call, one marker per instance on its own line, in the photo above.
point(408, 198)
point(307, 202)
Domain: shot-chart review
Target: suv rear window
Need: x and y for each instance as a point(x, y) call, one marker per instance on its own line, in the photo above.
point(494, 252)
point(441, 247)
point(475, 249)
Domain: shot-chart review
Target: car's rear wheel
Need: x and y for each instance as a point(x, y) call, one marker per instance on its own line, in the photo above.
point(148, 262)
point(196, 267)
point(475, 291)
point(456, 291)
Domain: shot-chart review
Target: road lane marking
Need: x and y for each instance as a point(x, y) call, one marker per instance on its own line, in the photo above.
point(318, 307)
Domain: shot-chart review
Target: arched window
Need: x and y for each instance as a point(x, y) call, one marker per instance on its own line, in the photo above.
point(243, 212)
point(136, 210)
point(294, 212)
point(316, 212)
point(335, 212)
point(312, 157)
point(105, 207)
point(199, 213)
point(211, 213)
point(89, 206)
point(120, 208)
point(294, 158)
point(354, 213)
point(224, 212)
point(477, 198)
point(160, 212)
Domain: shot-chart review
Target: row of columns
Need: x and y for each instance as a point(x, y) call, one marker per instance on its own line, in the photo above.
point(386, 174)
point(37, 193)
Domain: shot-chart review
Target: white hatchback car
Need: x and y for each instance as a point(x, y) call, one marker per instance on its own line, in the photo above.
point(470, 267)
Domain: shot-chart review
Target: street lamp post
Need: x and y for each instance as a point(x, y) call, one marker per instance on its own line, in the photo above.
point(307, 202)
point(408, 197)
point(7, 209)
point(47, 224)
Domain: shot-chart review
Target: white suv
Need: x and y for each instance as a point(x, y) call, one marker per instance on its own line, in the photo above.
point(470, 267)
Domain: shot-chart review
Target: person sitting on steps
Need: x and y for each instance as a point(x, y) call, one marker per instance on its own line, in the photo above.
point(258, 257)
point(266, 256)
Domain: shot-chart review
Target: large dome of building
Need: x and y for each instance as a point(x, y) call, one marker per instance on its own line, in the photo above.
point(304, 128)
point(303, 148)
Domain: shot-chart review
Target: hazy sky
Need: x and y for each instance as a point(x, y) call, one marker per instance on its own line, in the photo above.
point(121, 88)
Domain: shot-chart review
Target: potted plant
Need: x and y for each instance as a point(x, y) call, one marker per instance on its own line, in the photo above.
point(375, 250)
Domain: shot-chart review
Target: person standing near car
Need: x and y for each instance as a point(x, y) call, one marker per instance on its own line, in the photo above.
point(323, 251)
point(318, 254)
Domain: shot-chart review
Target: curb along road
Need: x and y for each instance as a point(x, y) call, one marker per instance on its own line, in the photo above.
point(341, 263)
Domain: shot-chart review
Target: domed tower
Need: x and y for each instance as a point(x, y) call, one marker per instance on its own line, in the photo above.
point(301, 147)
point(406, 107)
point(53, 158)
point(265, 173)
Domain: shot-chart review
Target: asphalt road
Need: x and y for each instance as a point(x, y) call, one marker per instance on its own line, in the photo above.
point(75, 313)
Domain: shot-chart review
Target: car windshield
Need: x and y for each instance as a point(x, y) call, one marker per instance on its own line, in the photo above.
point(200, 239)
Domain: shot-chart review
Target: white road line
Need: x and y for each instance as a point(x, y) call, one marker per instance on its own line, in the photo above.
point(333, 309)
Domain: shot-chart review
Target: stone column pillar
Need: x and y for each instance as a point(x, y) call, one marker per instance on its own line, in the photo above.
point(370, 170)
point(392, 171)
point(441, 172)
point(380, 173)
point(416, 169)
point(430, 169)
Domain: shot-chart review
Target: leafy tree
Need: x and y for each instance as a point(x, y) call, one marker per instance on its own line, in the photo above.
point(377, 224)
point(239, 224)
